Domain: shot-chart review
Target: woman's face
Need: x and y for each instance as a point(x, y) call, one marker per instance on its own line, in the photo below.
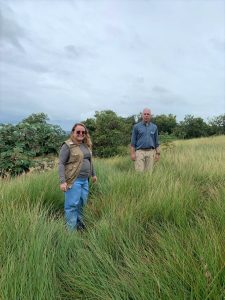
point(79, 133)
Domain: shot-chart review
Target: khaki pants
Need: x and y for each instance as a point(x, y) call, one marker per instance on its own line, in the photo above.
point(144, 160)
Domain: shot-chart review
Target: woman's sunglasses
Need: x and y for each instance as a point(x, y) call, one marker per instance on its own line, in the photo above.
point(81, 132)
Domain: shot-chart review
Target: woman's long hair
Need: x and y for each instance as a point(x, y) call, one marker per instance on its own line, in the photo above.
point(87, 138)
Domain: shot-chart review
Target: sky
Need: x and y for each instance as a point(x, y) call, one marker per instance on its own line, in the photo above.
point(71, 58)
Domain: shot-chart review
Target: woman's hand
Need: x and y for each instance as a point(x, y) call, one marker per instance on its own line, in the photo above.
point(94, 179)
point(63, 187)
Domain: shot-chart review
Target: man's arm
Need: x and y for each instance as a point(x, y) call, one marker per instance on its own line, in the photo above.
point(132, 145)
point(157, 147)
point(132, 153)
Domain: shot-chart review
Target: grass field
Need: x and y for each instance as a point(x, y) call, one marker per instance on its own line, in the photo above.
point(159, 236)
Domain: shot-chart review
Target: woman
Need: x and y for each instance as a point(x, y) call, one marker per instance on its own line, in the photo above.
point(75, 168)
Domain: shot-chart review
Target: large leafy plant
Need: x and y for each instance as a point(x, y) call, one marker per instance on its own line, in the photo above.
point(20, 143)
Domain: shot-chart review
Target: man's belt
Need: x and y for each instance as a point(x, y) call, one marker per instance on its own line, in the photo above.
point(147, 149)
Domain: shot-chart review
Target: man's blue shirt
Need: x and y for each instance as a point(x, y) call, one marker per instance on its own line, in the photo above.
point(144, 136)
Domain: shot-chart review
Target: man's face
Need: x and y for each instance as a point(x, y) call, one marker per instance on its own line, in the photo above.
point(146, 115)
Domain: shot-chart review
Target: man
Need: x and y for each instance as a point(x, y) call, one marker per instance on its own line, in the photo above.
point(145, 148)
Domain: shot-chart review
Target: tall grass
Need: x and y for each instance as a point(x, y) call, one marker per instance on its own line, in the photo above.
point(150, 236)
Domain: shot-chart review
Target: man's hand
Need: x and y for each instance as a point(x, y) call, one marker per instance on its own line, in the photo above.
point(132, 153)
point(63, 187)
point(133, 156)
point(157, 157)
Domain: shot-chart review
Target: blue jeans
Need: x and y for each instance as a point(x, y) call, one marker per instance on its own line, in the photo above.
point(75, 199)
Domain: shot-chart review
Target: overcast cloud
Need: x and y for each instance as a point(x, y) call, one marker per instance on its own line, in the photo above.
point(69, 59)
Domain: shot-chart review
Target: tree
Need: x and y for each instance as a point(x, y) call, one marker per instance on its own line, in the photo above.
point(217, 125)
point(165, 124)
point(109, 132)
point(192, 127)
point(39, 118)
point(90, 123)
point(107, 136)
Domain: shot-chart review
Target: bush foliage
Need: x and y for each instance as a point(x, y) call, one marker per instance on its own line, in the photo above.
point(30, 138)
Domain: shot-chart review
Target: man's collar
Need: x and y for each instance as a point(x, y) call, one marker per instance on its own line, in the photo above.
point(146, 122)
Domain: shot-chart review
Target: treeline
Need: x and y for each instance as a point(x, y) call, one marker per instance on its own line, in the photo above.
point(110, 132)
point(35, 137)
